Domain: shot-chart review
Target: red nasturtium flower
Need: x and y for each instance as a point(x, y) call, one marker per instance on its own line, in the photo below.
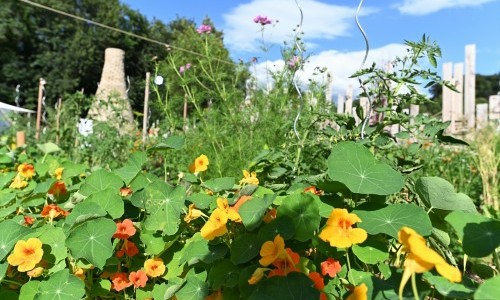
point(312, 189)
point(120, 281)
point(154, 267)
point(330, 267)
point(270, 215)
point(53, 211)
point(138, 278)
point(217, 295)
point(286, 265)
point(28, 220)
point(124, 229)
point(58, 189)
point(125, 191)
point(129, 248)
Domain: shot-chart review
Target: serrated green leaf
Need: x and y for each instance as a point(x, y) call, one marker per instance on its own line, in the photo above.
point(390, 219)
point(92, 241)
point(304, 213)
point(353, 165)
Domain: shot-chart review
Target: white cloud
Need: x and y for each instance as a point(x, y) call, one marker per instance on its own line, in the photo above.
point(321, 21)
point(339, 64)
point(423, 7)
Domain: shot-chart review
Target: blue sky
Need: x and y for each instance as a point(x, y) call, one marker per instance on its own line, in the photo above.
point(331, 36)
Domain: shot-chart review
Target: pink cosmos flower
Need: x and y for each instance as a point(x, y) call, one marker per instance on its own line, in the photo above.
point(204, 29)
point(183, 69)
point(262, 20)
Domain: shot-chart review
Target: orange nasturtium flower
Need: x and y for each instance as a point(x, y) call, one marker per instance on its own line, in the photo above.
point(26, 254)
point(120, 281)
point(58, 173)
point(215, 226)
point(129, 248)
point(125, 191)
point(36, 272)
point(124, 229)
point(270, 215)
point(286, 265)
point(249, 178)
point(331, 267)
point(53, 211)
point(231, 213)
point(79, 272)
point(26, 170)
point(274, 250)
point(138, 278)
point(28, 220)
point(313, 190)
point(217, 295)
point(18, 183)
point(422, 258)
point(154, 267)
point(339, 231)
point(58, 189)
point(359, 293)
point(193, 213)
point(200, 164)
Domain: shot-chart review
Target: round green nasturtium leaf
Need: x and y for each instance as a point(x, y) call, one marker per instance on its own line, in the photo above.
point(295, 286)
point(82, 212)
point(164, 205)
point(355, 166)
point(438, 193)
point(167, 291)
point(29, 290)
point(132, 168)
point(479, 235)
point(283, 225)
point(110, 201)
point(489, 289)
point(91, 240)
point(201, 200)
point(171, 142)
point(245, 247)
point(304, 213)
point(61, 286)
point(99, 181)
point(219, 184)
point(3, 270)
point(253, 210)
point(371, 252)
point(10, 233)
point(223, 273)
point(155, 243)
point(391, 218)
point(54, 237)
point(43, 187)
point(450, 289)
point(194, 289)
point(197, 249)
point(101, 287)
point(72, 170)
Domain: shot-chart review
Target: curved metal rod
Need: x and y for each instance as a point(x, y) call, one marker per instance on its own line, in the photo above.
point(367, 117)
point(299, 28)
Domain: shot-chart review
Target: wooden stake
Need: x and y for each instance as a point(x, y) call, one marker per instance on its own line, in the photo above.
point(146, 110)
point(41, 83)
point(20, 139)
point(58, 117)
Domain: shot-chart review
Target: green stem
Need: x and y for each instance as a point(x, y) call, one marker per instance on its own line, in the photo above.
point(414, 286)
point(12, 282)
point(349, 267)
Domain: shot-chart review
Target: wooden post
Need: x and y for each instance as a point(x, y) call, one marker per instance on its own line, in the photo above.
point(146, 110)
point(470, 85)
point(340, 104)
point(58, 116)
point(41, 83)
point(20, 139)
point(457, 106)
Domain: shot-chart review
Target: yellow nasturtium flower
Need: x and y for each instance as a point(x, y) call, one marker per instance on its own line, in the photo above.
point(339, 232)
point(273, 250)
point(421, 258)
point(18, 183)
point(58, 173)
point(257, 275)
point(231, 213)
point(249, 178)
point(215, 226)
point(200, 164)
point(359, 293)
point(193, 214)
point(26, 170)
point(154, 267)
point(26, 254)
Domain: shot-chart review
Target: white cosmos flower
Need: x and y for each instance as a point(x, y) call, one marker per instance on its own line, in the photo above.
point(159, 80)
point(85, 127)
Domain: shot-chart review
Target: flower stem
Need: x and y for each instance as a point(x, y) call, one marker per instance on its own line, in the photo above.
point(414, 286)
point(349, 267)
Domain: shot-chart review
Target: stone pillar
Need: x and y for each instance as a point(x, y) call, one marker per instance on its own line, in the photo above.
point(447, 93)
point(329, 89)
point(457, 104)
point(470, 85)
point(494, 107)
point(340, 104)
point(348, 100)
point(111, 104)
point(482, 115)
